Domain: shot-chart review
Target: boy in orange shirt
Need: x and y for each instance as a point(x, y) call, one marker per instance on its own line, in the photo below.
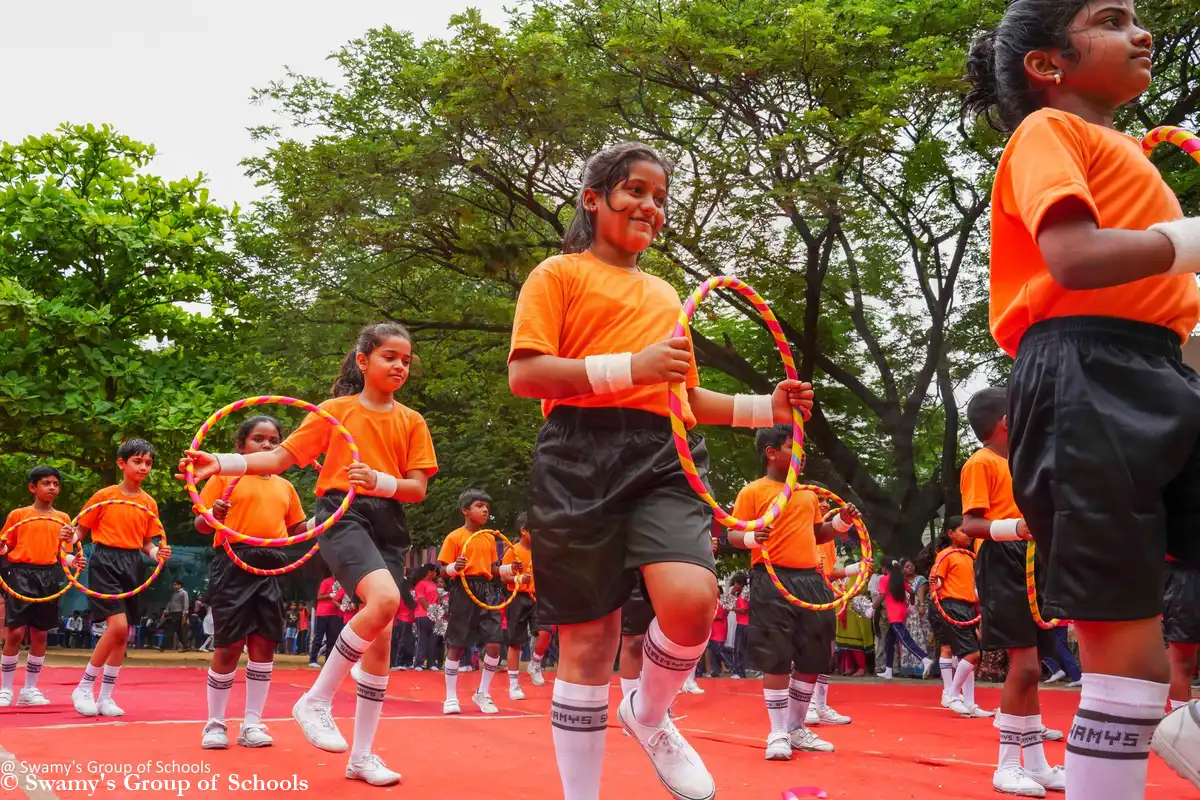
point(120, 535)
point(953, 583)
point(522, 615)
point(467, 621)
point(33, 571)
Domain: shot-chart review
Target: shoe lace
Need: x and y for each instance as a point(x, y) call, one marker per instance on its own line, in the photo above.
point(370, 761)
point(324, 717)
point(668, 735)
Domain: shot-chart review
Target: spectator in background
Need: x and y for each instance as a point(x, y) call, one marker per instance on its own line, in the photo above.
point(741, 615)
point(402, 634)
point(75, 626)
point(328, 624)
point(302, 629)
point(426, 593)
point(291, 621)
point(98, 629)
point(173, 617)
point(718, 654)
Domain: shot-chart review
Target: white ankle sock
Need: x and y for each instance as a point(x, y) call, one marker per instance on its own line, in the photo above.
point(579, 723)
point(1011, 728)
point(968, 689)
point(821, 693)
point(514, 680)
point(33, 670)
point(88, 681)
point(220, 686)
point(8, 671)
point(371, 691)
point(1178, 704)
point(535, 661)
point(490, 665)
point(451, 679)
point(258, 684)
point(962, 672)
point(946, 665)
point(1108, 749)
point(1032, 752)
point(628, 686)
point(108, 682)
point(665, 667)
point(347, 650)
point(799, 697)
point(777, 709)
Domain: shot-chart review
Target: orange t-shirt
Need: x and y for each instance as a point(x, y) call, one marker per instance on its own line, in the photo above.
point(793, 540)
point(480, 556)
point(957, 572)
point(1054, 155)
point(986, 486)
point(121, 525)
point(262, 506)
point(34, 542)
point(394, 442)
point(526, 555)
point(575, 305)
point(828, 555)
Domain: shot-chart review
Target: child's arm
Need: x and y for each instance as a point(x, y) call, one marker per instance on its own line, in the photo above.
point(220, 510)
point(977, 526)
point(828, 531)
point(269, 462)
point(409, 489)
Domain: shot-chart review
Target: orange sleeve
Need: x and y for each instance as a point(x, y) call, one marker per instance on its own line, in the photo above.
point(12, 536)
point(90, 519)
point(746, 505)
point(295, 513)
point(973, 484)
point(420, 454)
point(449, 552)
point(1048, 163)
point(309, 440)
point(541, 305)
point(942, 569)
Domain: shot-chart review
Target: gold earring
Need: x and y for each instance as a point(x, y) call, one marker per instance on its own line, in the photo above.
point(1058, 77)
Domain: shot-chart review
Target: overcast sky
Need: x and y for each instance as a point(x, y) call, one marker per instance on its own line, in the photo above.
point(178, 75)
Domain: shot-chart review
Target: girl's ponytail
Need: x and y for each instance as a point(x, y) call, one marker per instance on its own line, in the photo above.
point(983, 99)
point(350, 379)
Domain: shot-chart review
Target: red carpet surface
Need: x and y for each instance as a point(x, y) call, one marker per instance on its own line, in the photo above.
point(901, 745)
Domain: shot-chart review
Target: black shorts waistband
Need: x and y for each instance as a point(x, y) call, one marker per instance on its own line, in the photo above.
point(39, 567)
point(609, 418)
point(782, 570)
point(1141, 337)
point(336, 496)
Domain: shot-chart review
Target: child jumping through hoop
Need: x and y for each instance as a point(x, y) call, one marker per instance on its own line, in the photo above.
point(365, 550)
point(247, 609)
point(609, 503)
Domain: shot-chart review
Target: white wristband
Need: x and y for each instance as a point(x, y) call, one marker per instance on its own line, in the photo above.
point(853, 569)
point(69, 560)
point(752, 411)
point(385, 485)
point(1185, 236)
point(312, 523)
point(1004, 530)
point(506, 571)
point(451, 569)
point(610, 373)
point(840, 525)
point(751, 541)
point(153, 552)
point(231, 464)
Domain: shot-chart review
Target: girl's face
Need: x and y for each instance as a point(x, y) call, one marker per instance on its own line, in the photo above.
point(264, 438)
point(1112, 53)
point(386, 368)
point(634, 211)
point(910, 569)
point(959, 539)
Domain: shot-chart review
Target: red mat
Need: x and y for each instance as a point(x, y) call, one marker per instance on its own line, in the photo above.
point(901, 745)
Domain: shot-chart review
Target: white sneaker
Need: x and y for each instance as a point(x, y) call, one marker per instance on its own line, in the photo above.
point(886, 674)
point(6, 698)
point(32, 697)
point(1056, 677)
point(691, 687)
point(535, 674)
point(316, 722)
point(803, 739)
point(1050, 735)
point(451, 707)
point(678, 765)
point(515, 693)
point(1177, 742)
point(1014, 780)
point(946, 700)
point(370, 768)
point(215, 736)
point(978, 713)
point(779, 747)
point(1074, 684)
point(926, 667)
point(313, 665)
point(84, 702)
point(1052, 780)
point(957, 705)
point(254, 735)
point(825, 716)
point(484, 701)
point(109, 708)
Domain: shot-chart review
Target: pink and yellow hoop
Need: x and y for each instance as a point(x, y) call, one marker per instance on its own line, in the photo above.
point(516, 587)
point(73, 580)
point(1185, 140)
point(265, 573)
point(937, 601)
point(9, 589)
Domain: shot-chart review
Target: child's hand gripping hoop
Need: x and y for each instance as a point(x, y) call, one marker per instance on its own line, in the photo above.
point(265, 573)
point(232, 536)
point(1031, 591)
point(937, 601)
point(9, 589)
point(516, 587)
point(860, 580)
point(1183, 139)
point(677, 394)
point(73, 580)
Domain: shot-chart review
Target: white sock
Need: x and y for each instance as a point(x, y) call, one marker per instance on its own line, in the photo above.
point(665, 667)
point(963, 671)
point(1108, 748)
point(1177, 704)
point(536, 660)
point(220, 686)
point(346, 652)
point(579, 723)
point(968, 689)
point(108, 682)
point(8, 671)
point(1011, 730)
point(371, 691)
point(628, 686)
point(799, 697)
point(451, 679)
point(514, 680)
point(1032, 751)
point(258, 684)
point(777, 709)
point(887, 673)
point(490, 665)
point(947, 667)
point(88, 681)
point(821, 693)
point(33, 670)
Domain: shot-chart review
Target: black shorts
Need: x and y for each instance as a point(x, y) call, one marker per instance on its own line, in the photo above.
point(521, 618)
point(1181, 617)
point(782, 637)
point(962, 640)
point(243, 603)
point(1007, 623)
point(32, 580)
point(371, 535)
point(636, 614)
point(113, 570)
point(1103, 422)
point(607, 496)
point(466, 622)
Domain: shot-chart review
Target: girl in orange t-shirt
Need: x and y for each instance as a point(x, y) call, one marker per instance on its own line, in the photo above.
point(1093, 292)
point(608, 498)
point(247, 609)
point(365, 550)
